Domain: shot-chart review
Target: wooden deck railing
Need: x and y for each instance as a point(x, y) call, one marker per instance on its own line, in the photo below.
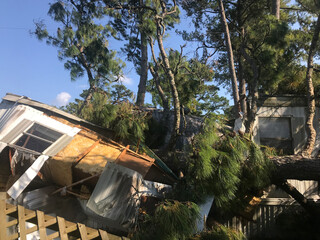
point(12, 216)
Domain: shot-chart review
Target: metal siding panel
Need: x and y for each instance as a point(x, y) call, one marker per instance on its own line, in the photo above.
point(15, 132)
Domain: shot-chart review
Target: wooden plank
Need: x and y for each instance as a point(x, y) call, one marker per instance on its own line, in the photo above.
point(62, 228)
point(79, 195)
point(83, 231)
point(71, 228)
point(3, 221)
point(14, 236)
point(42, 228)
point(50, 222)
point(11, 208)
point(93, 235)
point(76, 183)
point(32, 229)
point(22, 223)
point(53, 235)
point(30, 215)
point(11, 223)
point(124, 151)
point(103, 235)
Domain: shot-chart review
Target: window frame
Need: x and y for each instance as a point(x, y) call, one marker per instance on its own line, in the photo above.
point(25, 132)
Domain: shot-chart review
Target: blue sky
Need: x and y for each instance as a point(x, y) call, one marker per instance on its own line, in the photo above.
point(31, 68)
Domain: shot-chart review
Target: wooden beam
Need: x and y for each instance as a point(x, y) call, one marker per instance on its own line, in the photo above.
point(3, 228)
point(10, 208)
point(53, 236)
point(85, 153)
point(62, 228)
point(76, 183)
point(11, 223)
point(122, 153)
point(83, 231)
point(78, 195)
point(42, 228)
point(22, 223)
point(103, 235)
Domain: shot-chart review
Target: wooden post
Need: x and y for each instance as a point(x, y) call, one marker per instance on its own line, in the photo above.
point(22, 223)
point(83, 231)
point(42, 229)
point(103, 235)
point(62, 228)
point(3, 220)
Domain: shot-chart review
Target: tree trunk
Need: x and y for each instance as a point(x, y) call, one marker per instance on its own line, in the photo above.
point(276, 8)
point(169, 73)
point(154, 72)
point(241, 78)
point(296, 167)
point(242, 87)
point(310, 93)
point(253, 91)
point(160, 90)
point(300, 168)
point(143, 65)
point(231, 60)
point(87, 100)
point(311, 207)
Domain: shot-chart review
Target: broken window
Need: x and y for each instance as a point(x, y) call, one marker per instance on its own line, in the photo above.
point(37, 138)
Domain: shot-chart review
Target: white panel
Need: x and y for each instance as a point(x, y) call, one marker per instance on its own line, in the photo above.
point(2, 146)
point(18, 187)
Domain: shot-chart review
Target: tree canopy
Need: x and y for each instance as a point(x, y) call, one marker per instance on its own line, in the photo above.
point(250, 48)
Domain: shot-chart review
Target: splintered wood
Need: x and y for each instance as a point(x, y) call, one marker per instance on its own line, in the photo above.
point(25, 221)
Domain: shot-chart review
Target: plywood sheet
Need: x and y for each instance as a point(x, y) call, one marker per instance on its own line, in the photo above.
point(61, 165)
point(60, 171)
point(77, 146)
point(135, 163)
point(95, 161)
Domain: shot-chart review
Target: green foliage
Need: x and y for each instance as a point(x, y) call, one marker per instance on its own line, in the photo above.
point(219, 232)
point(223, 165)
point(135, 19)
point(276, 49)
point(82, 43)
point(172, 220)
point(113, 111)
point(193, 81)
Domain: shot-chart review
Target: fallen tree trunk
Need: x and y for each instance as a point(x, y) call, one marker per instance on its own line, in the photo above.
point(296, 167)
point(300, 168)
point(310, 206)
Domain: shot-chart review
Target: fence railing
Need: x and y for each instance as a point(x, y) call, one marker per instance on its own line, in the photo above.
point(19, 222)
point(264, 218)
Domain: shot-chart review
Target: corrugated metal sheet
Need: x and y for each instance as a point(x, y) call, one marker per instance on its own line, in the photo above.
point(25, 100)
point(116, 196)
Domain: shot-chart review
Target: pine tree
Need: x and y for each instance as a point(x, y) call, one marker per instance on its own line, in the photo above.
point(194, 84)
point(82, 44)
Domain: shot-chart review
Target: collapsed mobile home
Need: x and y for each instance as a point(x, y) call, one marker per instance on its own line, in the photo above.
point(46, 153)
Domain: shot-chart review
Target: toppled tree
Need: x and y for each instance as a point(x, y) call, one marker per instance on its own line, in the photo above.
point(114, 110)
point(172, 220)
